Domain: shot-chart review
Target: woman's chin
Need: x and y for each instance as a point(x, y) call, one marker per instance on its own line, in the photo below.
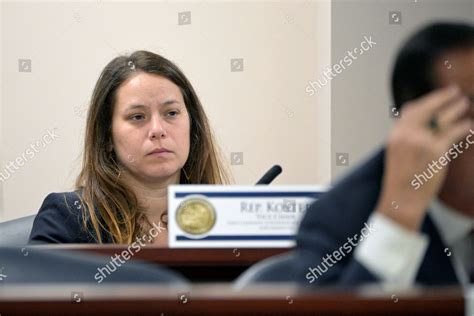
point(159, 176)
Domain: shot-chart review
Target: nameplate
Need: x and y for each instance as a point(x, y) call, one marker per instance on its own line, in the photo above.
point(225, 216)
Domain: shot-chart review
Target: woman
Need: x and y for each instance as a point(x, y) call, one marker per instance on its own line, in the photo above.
point(146, 129)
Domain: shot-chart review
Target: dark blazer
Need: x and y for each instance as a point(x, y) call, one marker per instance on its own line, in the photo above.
point(60, 220)
point(341, 213)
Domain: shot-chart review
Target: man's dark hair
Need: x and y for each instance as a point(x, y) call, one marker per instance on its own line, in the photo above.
point(413, 74)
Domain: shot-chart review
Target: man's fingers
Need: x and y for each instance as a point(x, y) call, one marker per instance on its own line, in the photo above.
point(431, 103)
point(452, 113)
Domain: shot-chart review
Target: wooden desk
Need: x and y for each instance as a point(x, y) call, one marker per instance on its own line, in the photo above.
point(220, 299)
point(198, 265)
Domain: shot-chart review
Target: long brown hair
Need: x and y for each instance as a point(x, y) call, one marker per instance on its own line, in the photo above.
point(111, 206)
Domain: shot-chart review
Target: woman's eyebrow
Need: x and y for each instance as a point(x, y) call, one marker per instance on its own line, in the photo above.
point(169, 102)
point(141, 106)
point(136, 106)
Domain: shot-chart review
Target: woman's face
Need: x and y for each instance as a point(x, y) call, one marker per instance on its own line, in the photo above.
point(150, 115)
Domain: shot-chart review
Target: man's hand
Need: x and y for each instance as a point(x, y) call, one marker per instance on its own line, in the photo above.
point(412, 146)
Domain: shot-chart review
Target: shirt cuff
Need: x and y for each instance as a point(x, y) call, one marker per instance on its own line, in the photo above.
point(391, 252)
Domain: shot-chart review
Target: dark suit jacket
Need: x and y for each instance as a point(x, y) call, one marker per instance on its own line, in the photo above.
point(341, 213)
point(59, 220)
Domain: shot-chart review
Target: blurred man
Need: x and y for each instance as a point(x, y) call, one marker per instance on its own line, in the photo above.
point(406, 215)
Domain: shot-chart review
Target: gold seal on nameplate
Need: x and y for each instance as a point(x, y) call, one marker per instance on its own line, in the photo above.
point(196, 216)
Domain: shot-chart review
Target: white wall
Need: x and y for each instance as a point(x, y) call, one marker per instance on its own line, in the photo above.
point(360, 95)
point(263, 111)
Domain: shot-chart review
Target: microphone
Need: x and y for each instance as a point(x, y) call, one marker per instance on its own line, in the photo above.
point(270, 175)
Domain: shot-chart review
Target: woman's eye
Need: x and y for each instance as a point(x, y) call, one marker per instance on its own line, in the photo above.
point(173, 113)
point(137, 117)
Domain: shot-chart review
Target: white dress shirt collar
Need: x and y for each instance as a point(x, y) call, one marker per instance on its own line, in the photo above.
point(452, 225)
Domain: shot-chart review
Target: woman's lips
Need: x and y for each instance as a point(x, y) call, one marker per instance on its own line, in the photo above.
point(159, 152)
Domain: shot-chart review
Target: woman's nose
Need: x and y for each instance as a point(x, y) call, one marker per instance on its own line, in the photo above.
point(157, 128)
